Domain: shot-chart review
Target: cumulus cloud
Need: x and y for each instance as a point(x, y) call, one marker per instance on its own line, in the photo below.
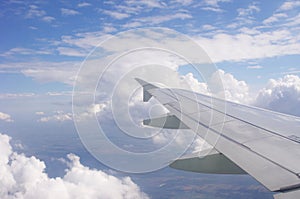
point(25, 177)
point(194, 84)
point(281, 95)
point(99, 109)
point(233, 89)
point(5, 117)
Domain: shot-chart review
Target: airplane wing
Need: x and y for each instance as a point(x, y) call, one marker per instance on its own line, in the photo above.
point(246, 139)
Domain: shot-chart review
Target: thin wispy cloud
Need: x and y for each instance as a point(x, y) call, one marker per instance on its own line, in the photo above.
point(84, 4)
point(48, 18)
point(288, 5)
point(116, 15)
point(213, 5)
point(5, 117)
point(68, 12)
point(58, 116)
point(34, 12)
point(255, 67)
point(164, 18)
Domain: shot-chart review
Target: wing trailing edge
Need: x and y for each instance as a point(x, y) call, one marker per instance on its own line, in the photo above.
point(167, 122)
point(207, 161)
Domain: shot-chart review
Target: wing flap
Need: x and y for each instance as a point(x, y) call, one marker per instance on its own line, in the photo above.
point(167, 122)
point(212, 162)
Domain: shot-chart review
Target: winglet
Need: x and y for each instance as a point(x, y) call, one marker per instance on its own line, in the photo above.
point(146, 86)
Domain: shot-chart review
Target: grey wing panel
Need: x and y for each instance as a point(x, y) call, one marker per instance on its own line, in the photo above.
point(282, 124)
point(270, 157)
point(288, 195)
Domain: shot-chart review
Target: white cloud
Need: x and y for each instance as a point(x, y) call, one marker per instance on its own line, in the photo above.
point(116, 15)
point(35, 12)
point(214, 9)
point(288, 5)
point(274, 18)
point(83, 4)
point(59, 116)
point(233, 89)
point(40, 113)
point(24, 51)
point(33, 27)
point(293, 22)
point(208, 27)
point(100, 109)
point(5, 117)
point(255, 67)
point(132, 24)
point(72, 52)
point(245, 12)
point(200, 145)
point(68, 12)
point(48, 18)
point(184, 2)
point(213, 5)
point(250, 45)
point(164, 18)
point(282, 95)
point(109, 28)
point(148, 3)
point(61, 93)
point(25, 177)
point(86, 41)
point(247, 15)
point(16, 95)
point(194, 84)
point(64, 72)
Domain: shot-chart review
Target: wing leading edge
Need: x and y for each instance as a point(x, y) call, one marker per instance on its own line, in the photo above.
point(262, 143)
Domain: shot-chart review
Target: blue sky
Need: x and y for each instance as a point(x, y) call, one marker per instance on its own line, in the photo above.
point(255, 44)
point(37, 35)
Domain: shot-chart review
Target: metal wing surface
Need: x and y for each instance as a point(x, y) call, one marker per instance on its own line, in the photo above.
point(264, 144)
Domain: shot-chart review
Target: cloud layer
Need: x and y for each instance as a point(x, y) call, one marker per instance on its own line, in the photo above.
point(24, 177)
